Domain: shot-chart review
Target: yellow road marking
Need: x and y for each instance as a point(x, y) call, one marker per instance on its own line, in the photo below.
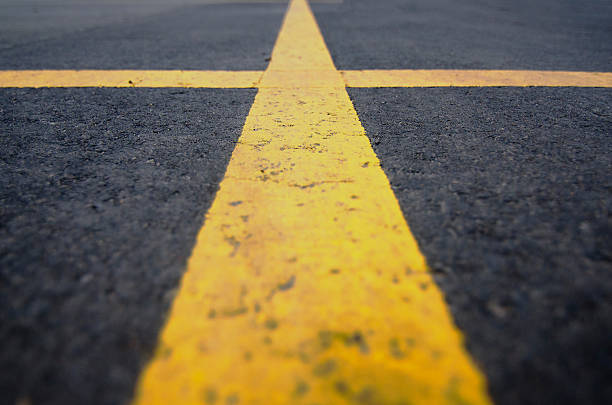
point(129, 78)
point(306, 284)
point(350, 78)
point(476, 78)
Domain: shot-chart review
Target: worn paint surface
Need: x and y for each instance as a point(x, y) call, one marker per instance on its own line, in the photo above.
point(479, 78)
point(129, 78)
point(305, 78)
point(306, 285)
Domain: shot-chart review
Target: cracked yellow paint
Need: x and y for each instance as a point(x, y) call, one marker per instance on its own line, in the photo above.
point(474, 78)
point(306, 284)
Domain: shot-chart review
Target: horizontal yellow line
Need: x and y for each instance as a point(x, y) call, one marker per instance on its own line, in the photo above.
point(474, 78)
point(129, 78)
point(251, 79)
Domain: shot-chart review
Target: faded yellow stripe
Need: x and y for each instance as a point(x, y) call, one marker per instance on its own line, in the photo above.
point(474, 78)
point(305, 285)
point(129, 78)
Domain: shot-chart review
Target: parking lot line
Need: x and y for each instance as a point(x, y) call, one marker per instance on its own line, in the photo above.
point(130, 78)
point(351, 78)
point(474, 78)
point(306, 284)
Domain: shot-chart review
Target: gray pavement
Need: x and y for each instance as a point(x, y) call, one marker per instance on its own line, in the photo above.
point(141, 35)
point(472, 34)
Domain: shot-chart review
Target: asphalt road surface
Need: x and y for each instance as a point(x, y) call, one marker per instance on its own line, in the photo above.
point(508, 191)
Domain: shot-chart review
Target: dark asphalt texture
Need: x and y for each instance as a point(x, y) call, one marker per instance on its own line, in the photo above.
point(469, 34)
point(22, 21)
point(194, 37)
point(509, 194)
point(102, 194)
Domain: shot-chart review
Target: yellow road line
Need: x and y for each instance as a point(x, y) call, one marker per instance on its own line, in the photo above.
point(475, 78)
point(129, 78)
point(308, 78)
point(306, 284)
